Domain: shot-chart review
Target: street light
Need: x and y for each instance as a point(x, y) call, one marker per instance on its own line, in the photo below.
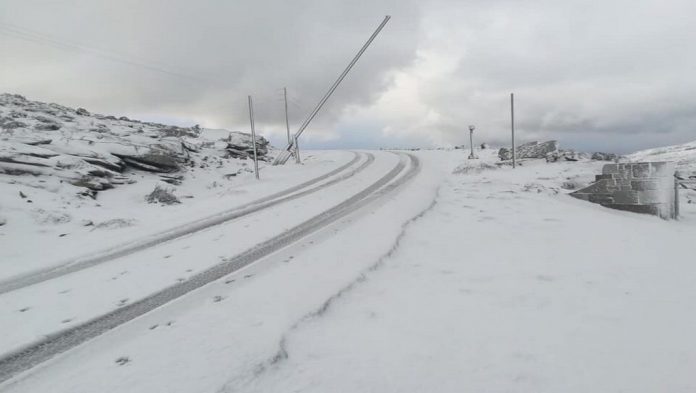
point(472, 156)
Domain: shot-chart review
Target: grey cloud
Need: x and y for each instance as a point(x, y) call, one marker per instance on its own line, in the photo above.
point(229, 48)
point(611, 75)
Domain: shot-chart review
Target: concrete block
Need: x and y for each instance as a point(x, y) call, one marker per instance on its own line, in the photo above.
point(626, 197)
point(641, 170)
point(655, 196)
point(646, 187)
point(644, 209)
point(642, 185)
point(610, 169)
point(603, 199)
point(663, 169)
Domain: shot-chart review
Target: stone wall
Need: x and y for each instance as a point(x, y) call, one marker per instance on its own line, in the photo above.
point(642, 187)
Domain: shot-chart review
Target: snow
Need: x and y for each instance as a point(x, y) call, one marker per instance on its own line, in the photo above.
point(100, 289)
point(683, 155)
point(203, 192)
point(474, 277)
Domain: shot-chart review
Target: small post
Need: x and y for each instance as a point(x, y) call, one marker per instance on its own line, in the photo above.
point(471, 142)
point(297, 150)
point(512, 126)
point(676, 197)
point(253, 137)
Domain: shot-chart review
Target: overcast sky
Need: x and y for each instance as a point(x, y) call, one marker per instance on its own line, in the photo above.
point(611, 75)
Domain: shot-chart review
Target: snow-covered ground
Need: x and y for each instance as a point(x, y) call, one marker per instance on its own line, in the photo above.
point(473, 277)
point(57, 225)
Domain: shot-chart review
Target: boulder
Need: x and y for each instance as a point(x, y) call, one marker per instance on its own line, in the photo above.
point(161, 195)
point(505, 154)
point(529, 150)
point(562, 155)
point(599, 156)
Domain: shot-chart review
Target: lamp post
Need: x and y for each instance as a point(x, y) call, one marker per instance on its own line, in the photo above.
point(472, 156)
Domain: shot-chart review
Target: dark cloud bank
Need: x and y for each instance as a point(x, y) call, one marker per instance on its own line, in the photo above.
point(613, 75)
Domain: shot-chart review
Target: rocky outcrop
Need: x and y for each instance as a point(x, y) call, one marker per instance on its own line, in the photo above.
point(599, 156)
point(529, 150)
point(96, 151)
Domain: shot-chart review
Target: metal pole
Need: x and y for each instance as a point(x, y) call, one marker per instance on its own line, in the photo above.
point(253, 137)
point(332, 88)
point(297, 151)
point(287, 122)
point(512, 125)
point(471, 143)
point(676, 197)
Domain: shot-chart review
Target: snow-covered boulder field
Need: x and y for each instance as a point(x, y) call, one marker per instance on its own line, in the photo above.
point(97, 152)
point(67, 175)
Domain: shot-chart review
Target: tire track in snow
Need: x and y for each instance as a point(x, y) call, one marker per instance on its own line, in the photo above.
point(93, 259)
point(32, 355)
point(282, 353)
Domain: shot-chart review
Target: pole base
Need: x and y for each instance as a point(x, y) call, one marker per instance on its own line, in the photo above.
point(473, 157)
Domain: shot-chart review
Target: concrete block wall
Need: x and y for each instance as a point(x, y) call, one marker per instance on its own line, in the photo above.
point(641, 187)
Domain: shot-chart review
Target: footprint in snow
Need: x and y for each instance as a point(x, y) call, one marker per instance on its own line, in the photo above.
point(229, 281)
point(123, 360)
point(218, 299)
point(122, 302)
point(25, 309)
point(249, 276)
point(66, 320)
point(63, 292)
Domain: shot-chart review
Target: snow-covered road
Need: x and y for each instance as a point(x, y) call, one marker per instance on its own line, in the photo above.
point(469, 279)
point(81, 262)
point(140, 285)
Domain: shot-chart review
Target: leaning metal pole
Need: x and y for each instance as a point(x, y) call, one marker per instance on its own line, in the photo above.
point(283, 157)
point(253, 137)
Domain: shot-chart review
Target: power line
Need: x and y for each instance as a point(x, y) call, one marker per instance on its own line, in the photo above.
point(44, 39)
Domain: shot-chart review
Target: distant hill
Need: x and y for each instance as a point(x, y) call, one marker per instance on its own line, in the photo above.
point(684, 155)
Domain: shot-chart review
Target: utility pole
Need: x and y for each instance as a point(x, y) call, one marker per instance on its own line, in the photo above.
point(283, 157)
point(512, 126)
point(472, 156)
point(253, 137)
point(297, 151)
point(287, 122)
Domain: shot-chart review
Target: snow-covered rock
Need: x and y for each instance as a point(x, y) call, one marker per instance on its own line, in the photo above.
point(529, 150)
point(95, 151)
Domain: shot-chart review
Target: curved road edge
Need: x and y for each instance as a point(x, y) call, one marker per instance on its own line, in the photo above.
point(86, 261)
point(26, 358)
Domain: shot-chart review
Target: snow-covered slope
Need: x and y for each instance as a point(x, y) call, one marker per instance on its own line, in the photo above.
point(684, 155)
point(93, 151)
